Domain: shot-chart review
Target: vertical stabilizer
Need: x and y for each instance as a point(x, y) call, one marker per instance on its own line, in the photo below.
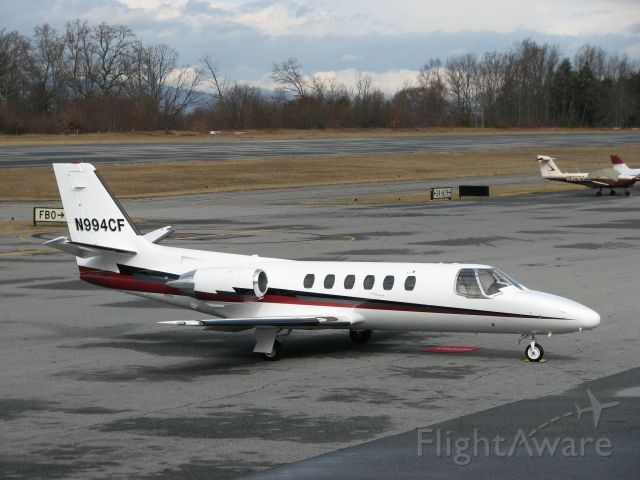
point(616, 160)
point(548, 167)
point(94, 216)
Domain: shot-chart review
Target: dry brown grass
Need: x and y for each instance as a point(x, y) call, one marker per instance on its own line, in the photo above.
point(189, 136)
point(191, 177)
point(21, 225)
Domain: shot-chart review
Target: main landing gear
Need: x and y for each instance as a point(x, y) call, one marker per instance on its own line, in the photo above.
point(275, 352)
point(534, 351)
point(612, 192)
point(360, 336)
point(357, 336)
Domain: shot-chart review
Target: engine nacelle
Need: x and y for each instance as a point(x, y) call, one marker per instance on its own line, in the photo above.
point(232, 282)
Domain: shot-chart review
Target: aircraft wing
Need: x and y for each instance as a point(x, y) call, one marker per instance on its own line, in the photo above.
point(595, 183)
point(263, 322)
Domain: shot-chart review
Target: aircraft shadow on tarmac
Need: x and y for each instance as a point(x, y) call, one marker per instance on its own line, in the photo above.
point(228, 354)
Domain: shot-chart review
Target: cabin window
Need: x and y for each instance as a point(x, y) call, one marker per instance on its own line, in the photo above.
point(329, 280)
point(369, 280)
point(467, 284)
point(388, 282)
point(492, 281)
point(410, 283)
point(349, 281)
point(308, 280)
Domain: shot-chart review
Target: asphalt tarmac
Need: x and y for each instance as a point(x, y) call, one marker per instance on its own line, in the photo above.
point(241, 148)
point(93, 387)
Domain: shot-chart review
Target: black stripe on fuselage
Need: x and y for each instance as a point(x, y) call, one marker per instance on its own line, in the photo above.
point(307, 297)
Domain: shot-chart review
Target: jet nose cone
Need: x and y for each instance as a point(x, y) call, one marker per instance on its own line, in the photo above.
point(588, 318)
point(592, 318)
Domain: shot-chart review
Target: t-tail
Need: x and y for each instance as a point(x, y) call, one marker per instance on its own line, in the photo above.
point(97, 222)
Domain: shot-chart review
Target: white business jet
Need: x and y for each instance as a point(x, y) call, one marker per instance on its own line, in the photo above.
point(274, 296)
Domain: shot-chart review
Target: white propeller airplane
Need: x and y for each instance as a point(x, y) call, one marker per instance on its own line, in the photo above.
point(276, 296)
point(603, 178)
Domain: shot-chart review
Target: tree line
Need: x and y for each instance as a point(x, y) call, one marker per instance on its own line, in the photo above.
point(102, 77)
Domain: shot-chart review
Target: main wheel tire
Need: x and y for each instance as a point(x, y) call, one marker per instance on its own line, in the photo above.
point(360, 336)
point(627, 193)
point(274, 355)
point(535, 353)
point(612, 192)
point(599, 193)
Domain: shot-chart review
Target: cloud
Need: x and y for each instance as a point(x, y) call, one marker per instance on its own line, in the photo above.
point(386, 39)
point(388, 81)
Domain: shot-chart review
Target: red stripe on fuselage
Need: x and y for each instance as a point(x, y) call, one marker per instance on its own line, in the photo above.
point(119, 281)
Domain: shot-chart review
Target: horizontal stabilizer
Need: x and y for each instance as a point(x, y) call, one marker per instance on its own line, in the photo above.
point(160, 234)
point(276, 322)
point(83, 250)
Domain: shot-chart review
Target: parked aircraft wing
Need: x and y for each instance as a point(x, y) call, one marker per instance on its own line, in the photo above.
point(160, 234)
point(264, 322)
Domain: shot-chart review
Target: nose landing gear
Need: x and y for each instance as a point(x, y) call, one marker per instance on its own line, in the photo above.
point(534, 351)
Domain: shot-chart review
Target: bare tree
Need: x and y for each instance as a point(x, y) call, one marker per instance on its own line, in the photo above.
point(113, 45)
point(318, 87)
point(461, 85)
point(595, 57)
point(490, 85)
point(432, 92)
point(288, 76)
point(14, 59)
point(155, 78)
point(210, 74)
point(364, 83)
point(182, 92)
point(47, 68)
point(80, 50)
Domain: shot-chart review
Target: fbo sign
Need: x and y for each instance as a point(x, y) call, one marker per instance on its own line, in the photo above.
point(48, 215)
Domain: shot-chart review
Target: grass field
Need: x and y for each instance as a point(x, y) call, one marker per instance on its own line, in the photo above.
point(192, 177)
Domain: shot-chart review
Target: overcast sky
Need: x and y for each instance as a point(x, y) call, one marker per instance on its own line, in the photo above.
point(389, 40)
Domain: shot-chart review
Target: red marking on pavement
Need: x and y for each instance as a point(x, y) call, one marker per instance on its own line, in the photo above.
point(451, 349)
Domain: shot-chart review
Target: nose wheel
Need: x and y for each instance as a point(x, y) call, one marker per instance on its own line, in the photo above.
point(534, 352)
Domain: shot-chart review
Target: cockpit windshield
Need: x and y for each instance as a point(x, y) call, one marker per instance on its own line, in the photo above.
point(483, 282)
